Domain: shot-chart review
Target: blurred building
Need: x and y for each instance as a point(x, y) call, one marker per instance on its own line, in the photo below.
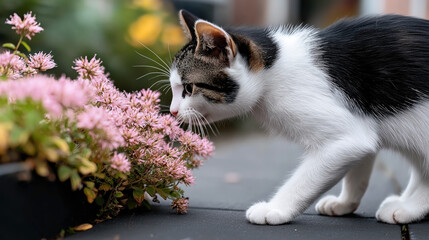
point(320, 13)
point(416, 8)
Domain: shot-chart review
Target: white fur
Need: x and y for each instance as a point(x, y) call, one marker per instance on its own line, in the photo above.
point(294, 98)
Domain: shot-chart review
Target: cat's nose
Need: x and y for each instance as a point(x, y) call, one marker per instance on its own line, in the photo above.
point(174, 113)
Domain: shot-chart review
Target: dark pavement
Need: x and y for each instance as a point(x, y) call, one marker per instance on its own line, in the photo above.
point(248, 169)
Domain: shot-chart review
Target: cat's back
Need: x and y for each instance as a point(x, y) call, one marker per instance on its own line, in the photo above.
point(381, 62)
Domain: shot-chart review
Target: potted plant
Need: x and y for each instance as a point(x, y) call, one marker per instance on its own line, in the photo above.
point(80, 150)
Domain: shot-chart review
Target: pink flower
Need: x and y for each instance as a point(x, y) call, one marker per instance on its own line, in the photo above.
point(11, 65)
point(131, 136)
point(171, 126)
point(180, 204)
point(28, 71)
point(176, 168)
point(41, 61)
point(189, 179)
point(89, 69)
point(91, 118)
point(102, 126)
point(27, 27)
point(120, 162)
point(70, 93)
point(193, 142)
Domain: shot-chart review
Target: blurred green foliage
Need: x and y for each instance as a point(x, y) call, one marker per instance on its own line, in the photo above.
point(103, 27)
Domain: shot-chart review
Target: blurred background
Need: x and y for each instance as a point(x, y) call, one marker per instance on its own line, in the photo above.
point(114, 29)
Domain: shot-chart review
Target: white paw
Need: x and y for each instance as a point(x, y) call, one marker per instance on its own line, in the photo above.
point(333, 206)
point(395, 211)
point(265, 213)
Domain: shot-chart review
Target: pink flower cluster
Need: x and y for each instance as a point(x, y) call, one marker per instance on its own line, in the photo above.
point(41, 62)
point(142, 127)
point(180, 204)
point(13, 66)
point(101, 125)
point(55, 95)
point(27, 27)
point(89, 69)
point(120, 162)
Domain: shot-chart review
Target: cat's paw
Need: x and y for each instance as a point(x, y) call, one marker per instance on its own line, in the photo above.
point(333, 206)
point(265, 213)
point(393, 210)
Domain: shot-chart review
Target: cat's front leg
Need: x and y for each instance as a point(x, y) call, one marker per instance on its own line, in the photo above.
point(353, 188)
point(320, 170)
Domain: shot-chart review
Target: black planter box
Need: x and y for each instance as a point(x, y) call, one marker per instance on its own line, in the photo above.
point(38, 208)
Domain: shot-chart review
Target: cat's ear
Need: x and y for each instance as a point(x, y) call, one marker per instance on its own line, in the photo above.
point(214, 42)
point(187, 21)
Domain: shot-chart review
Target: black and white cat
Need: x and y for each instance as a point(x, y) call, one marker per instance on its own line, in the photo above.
point(343, 92)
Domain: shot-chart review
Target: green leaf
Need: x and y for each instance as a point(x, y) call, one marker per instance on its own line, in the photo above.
point(90, 194)
point(28, 148)
point(132, 203)
point(175, 194)
point(105, 187)
point(146, 204)
point(150, 190)
point(138, 195)
point(119, 194)
point(75, 180)
point(42, 168)
point(61, 144)
point(99, 175)
point(86, 167)
point(9, 45)
point(99, 201)
point(26, 46)
point(64, 173)
point(90, 184)
point(162, 193)
point(19, 135)
point(32, 120)
point(21, 55)
point(51, 154)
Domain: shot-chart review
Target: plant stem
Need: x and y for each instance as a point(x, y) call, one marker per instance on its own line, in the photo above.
point(19, 44)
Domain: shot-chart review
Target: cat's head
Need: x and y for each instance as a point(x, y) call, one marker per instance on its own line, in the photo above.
point(208, 75)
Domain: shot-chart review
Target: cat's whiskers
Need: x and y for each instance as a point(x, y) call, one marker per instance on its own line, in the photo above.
point(201, 126)
point(158, 82)
point(152, 60)
point(165, 64)
point(207, 123)
point(153, 67)
point(152, 73)
point(165, 88)
point(163, 69)
point(199, 122)
point(164, 106)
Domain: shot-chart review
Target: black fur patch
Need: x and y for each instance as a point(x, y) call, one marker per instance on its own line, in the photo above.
point(261, 37)
point(223, 83)
point(380, 63)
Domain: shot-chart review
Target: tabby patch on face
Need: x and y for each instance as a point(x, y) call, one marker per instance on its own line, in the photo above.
point(204, 77)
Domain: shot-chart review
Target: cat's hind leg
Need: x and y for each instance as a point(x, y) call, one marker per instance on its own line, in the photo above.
point(411, 206)
point(354, 186)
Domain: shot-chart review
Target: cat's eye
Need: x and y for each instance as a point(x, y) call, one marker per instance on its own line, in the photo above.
point(188, 89)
